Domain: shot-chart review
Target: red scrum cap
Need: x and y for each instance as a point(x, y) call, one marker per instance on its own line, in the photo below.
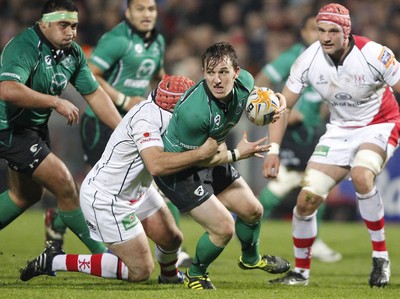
point(337, 14)
point(170, 89)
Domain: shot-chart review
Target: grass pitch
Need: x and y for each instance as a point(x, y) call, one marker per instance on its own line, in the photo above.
point(348, 278)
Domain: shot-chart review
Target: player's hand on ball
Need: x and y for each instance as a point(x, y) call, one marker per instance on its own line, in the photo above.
point(282, 107)
point(252, 149)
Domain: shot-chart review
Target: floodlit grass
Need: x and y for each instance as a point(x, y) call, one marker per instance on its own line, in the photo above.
point(23, 240)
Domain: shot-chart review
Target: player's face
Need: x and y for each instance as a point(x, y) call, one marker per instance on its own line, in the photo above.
point(310, 33)
point(60, 33)
point(331, 38)
point(142, 14)
point(220, 78)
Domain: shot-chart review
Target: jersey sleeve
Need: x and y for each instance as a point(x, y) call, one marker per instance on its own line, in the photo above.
point(108, 51)
point(384, 61)
point(17, 62)
point(83, 79)
point(145, 128)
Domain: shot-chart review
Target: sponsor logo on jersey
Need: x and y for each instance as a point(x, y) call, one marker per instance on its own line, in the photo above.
point(322, 80)
point(130, 221)
point(217, 120)
point(136, 83)
point(342, 96)
point(199, 191)
point(386, 57)
point(47, 59)
point(187, 146)
point(149, 140)
point(11, 75)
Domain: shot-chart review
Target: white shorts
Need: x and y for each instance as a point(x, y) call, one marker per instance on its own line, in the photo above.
point(111, 219)
point(338, 146)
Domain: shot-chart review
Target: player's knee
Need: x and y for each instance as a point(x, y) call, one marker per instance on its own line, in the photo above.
point(222, 234)
point(141, 273)
point(254, 213)
point(173, 240)
point(366, 165)
point(316, 183)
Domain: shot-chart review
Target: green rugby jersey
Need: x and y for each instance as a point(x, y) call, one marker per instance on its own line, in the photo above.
point(128, 60)
point(198, 115)
point(30, 59)
point(278, 71)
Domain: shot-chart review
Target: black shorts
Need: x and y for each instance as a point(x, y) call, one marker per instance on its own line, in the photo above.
point(298, 144)
point(191, 187)
point(94, 137)
point(25, 148)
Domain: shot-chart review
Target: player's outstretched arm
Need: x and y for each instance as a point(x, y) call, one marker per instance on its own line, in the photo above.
point(245, 149)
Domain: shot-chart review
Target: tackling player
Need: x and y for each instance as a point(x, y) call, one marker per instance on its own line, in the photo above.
point(122, 207)
point(354, 75)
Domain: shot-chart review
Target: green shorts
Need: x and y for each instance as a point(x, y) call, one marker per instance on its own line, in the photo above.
point(191, 187)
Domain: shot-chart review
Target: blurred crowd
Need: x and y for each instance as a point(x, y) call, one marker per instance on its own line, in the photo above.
point(259, 29)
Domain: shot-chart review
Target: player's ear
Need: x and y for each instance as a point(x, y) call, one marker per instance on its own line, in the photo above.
point(237, 71)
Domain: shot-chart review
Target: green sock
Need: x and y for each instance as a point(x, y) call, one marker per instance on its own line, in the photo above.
point(8, 210)
point(59, 225)
point(269, 201)
point(206, 253)
point(175, 212)
point(75, 221)
point(248, 235)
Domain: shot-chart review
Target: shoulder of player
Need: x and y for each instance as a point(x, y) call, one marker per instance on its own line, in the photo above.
point(245, 80)
point(372, 51)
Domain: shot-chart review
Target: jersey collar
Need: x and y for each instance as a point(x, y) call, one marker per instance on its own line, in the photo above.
point(57, 54)
point(147, 41)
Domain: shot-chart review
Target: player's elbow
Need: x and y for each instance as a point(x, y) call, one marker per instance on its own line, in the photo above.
point(5, 90)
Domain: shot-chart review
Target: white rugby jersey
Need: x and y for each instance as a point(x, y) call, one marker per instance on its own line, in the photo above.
point(357, 91)
point(121, 172)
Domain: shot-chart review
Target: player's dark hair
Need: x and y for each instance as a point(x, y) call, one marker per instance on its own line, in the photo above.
point(305, 19)
point(218, 52)
point(58, 5)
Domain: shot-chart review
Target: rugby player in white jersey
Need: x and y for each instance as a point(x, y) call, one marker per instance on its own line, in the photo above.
point(121, 206)
point(355, 76)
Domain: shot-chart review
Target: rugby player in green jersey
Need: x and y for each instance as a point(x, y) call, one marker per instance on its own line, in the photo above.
point(211, 108)
point(128, 61)
point(306, 124)
point(35, 68)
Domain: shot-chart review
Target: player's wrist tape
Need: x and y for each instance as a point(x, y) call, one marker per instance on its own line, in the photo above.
point(274, 149)
point(123, 101)
point(233, 155)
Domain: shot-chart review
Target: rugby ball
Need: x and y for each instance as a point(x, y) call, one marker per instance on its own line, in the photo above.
point(261, 106)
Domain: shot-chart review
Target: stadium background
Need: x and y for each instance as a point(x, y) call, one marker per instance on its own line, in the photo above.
point(258, 29)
